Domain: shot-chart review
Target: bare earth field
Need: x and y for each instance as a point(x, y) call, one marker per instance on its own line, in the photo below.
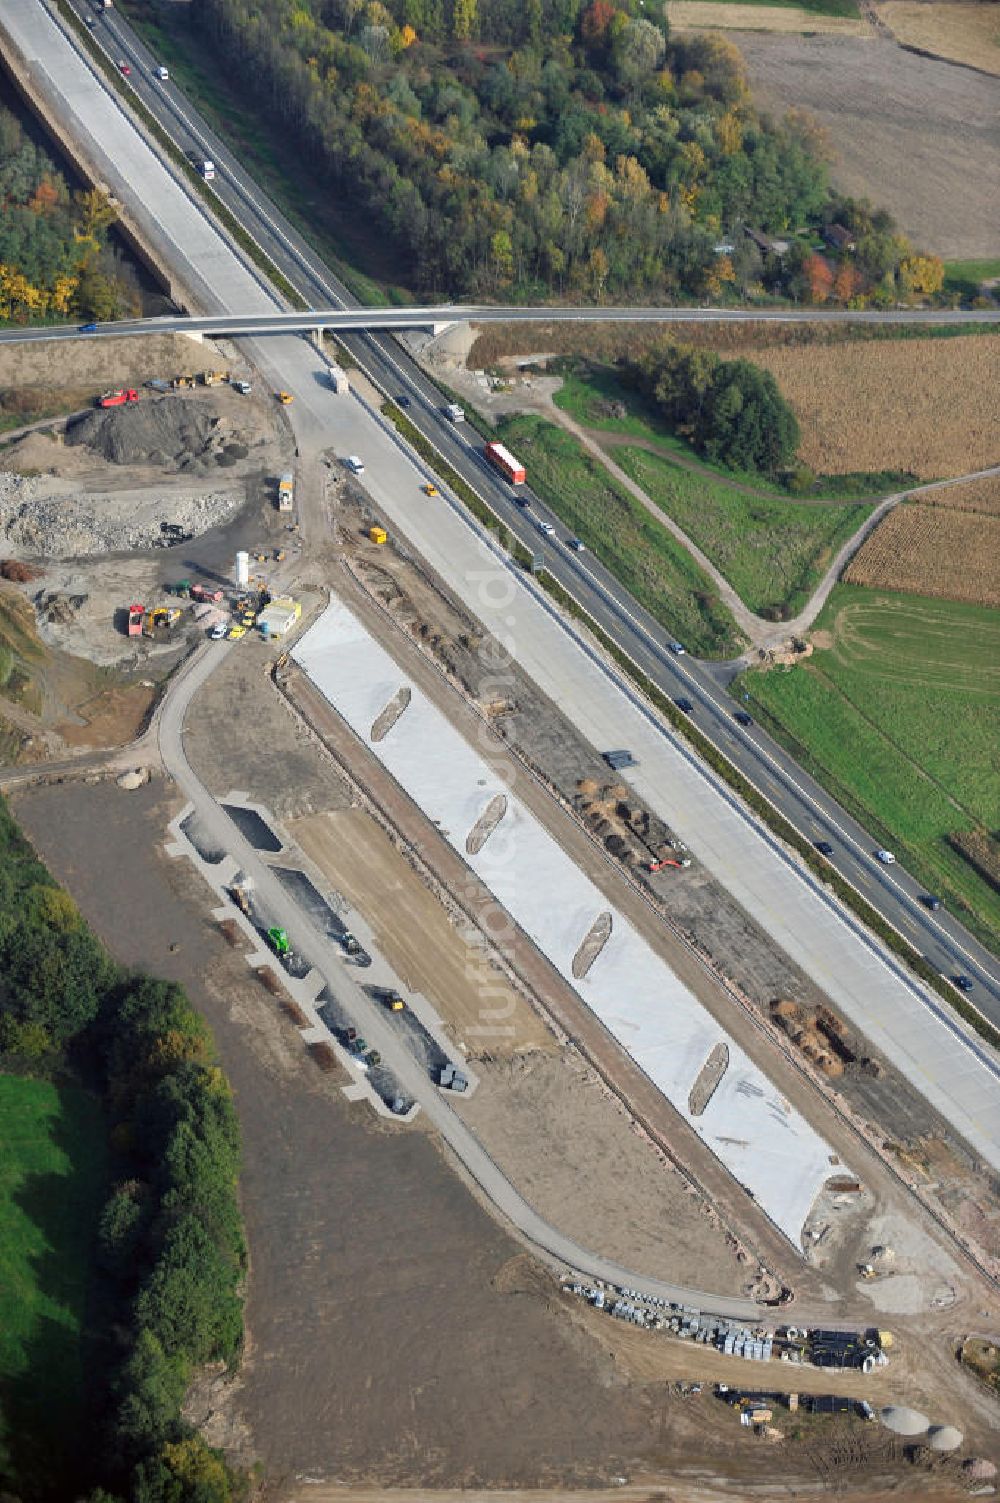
point(932, 550)
point(414, 933)
point(635, 1205)
point(396, 1336)
point(691, 15)
point(915, 135)
point(962, 33)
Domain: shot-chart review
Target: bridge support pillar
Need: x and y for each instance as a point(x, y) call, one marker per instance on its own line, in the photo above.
point(316, 335)
point(436, 329)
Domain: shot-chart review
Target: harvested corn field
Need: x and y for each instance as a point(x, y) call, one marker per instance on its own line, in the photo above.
point(975, 495)
point(928, 408)
point(924, 406)
point(929, 550)
point(691, 15)
point(962, 33)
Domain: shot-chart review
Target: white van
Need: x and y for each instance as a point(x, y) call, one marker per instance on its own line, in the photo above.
point(354, 464)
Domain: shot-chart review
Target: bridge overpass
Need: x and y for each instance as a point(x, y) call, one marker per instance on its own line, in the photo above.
point(439, 316)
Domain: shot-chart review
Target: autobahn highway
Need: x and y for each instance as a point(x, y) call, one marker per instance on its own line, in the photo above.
point(938, 936)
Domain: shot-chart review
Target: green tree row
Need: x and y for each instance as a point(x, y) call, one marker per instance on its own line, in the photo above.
point(171, 1246)
point(730, 411)
point(55, 258)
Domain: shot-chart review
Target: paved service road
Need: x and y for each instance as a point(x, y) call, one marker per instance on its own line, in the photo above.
point(914, 1029)
point(316, 947)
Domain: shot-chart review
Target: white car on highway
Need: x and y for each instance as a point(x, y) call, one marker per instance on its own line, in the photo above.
point(546, 528)
point(886, 858)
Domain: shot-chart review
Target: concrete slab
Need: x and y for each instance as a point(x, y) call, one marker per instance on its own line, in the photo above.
point(765, 1144)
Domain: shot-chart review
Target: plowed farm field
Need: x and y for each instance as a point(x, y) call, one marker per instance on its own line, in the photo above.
point(962, 33)
point(927, 407)
point(932, 550)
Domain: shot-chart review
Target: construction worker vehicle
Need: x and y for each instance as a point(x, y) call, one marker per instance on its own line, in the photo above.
point(240, 894)
point(236, 632)
point(205, 592)
point(681, 862)
point(160, 618)
point(135, 615)
point(394, 1002)
point(243, 387)
point(181, 588)
point(122, 396)
point(278, 940)
point(182, 383)
point(429, 489)
point(350, 944)
point(378, 535)
point(214, 378)
point(284, 397)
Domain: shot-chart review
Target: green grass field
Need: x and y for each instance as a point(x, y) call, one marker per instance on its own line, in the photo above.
point(640, 552)
point(900, 718)
point(52, 1185)
point(965, 277)
point(772, 552)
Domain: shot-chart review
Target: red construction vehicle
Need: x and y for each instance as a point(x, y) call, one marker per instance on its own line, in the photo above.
point(657, 866)
point(119, 398)
point(205, 592)
point(503, 460)
point(135, 615)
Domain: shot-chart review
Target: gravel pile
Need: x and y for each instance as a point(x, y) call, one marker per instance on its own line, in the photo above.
point(175, 432)
point(53, 520)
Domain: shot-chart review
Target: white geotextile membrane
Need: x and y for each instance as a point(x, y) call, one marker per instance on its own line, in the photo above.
point(758, 1136)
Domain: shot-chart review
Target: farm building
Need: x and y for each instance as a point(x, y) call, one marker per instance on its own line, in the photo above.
point(839, 238)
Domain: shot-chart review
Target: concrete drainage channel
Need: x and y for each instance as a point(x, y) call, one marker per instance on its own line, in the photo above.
point(324, 1018)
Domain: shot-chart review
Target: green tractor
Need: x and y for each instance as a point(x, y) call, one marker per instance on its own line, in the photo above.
point(278, 940)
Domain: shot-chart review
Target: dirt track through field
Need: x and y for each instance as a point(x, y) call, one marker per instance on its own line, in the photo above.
point(913, 134)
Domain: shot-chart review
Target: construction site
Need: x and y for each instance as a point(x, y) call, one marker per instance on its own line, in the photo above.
point(440, 926)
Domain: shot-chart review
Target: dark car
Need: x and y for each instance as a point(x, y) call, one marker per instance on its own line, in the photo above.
point(742, 718)
point(402, 400)
point(684, 705)
point(931, 902)
point(824, 847)
point(87, 329)
point(964, 983)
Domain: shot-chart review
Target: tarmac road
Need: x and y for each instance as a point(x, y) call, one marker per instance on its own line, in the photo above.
point(939, 937)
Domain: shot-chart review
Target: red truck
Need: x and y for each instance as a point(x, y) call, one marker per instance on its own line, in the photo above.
point(512, 469)
point(120, 398)
point(135, 615)
point(205, 592)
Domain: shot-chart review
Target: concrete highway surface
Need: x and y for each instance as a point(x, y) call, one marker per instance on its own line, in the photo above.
point(940, 938)
point(956, 1072)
